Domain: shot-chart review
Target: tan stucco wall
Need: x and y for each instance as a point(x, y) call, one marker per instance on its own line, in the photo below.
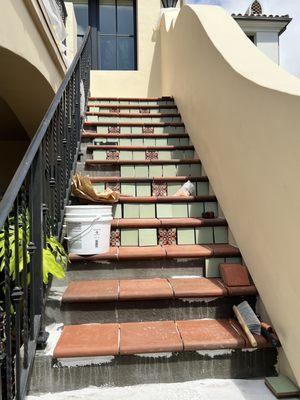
point(146, 80)
point(242, 113)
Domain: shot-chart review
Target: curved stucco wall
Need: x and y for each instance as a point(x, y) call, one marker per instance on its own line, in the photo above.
point(243, 115)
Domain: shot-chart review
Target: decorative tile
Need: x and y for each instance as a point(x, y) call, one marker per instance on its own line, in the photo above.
point(151, 155)
point(148, 129)
point(167, 236)
point(112, 155)
point(114, 186)
point(159, 189)
point(144, 110)
point(114, 129)
point(114, 110)
point(115, 238)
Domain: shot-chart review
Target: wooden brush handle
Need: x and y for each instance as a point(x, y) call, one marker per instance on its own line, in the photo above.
point(244, 326)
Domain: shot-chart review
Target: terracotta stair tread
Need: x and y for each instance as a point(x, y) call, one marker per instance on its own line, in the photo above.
point(141, 124)
point(132, 115)
point(166, 222)
point(165, 98)
point(134, 106)
point(166, 199)
point(148, 289)
point(95, 135)
point(109, 179)
point(96, 340)
point(142, 162)
point(137, 148)
point(161, 252)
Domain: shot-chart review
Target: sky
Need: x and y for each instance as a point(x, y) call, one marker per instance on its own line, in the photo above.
point(290, 39)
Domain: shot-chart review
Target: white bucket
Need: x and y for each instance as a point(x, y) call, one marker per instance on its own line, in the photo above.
point(88, 232)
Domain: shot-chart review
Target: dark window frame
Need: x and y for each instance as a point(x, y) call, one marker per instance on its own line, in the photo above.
point(116, 36)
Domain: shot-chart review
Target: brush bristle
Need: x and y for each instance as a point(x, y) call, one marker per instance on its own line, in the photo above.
point(250, 317)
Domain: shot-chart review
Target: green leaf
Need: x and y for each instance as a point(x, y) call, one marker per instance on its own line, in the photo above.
point(51, 266)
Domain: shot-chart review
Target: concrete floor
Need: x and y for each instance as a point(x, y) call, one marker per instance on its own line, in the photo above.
point(210, 389)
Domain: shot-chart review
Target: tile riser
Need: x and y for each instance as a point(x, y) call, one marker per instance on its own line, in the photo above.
point(141, 310)
point(135, 370)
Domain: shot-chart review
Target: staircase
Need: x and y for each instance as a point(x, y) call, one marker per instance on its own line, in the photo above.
point(154, 308)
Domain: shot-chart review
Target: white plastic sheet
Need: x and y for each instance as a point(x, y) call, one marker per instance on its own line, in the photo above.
point(56, 23)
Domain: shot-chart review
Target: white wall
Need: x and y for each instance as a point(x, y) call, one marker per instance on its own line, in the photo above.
point(268, 43)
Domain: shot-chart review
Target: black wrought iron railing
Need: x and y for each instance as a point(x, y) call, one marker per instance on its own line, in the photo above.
point(31, 212)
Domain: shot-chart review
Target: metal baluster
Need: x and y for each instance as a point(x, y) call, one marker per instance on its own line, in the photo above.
point(25, 277)
point(16, 296)
point(8, 335)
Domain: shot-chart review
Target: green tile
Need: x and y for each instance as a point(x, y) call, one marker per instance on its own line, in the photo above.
point(184, 142)
point(143, 189)
point(99, 187)
point(221, 234)
point(127, 171)
point(125, 155)
point(147, 211)
point(155, 170)
point(139, 155)
point(169, 170)
point(129, 237)
point(164, 155)
point(282, 387)
point(183, 170)
point(196, 170)
point(128, 189)
point(204, 235)
point(185, 236)
point(233, 260)
point(125, 142)
point(135, 130)
point(177, 154)
point(147, 237)
point(131, 211)
point(195, 210)
point(141, 171)
point(212, 267)
point(173, 188)
point(158, 129)
point(162, 142)
point(179, 210)
point(164, 211)
point(189, 154)
point(137, 142)
point(99, 155)
point(173, 142)
point(101, 129)
point(125, 129)
point(91, 118)
point(149, 142)
point(202, 188)
point(117, 211)
point(211, 206)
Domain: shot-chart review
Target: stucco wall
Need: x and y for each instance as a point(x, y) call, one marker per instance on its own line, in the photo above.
point(242, 113)
point(268, 43)
point(146, 80)
point(71, 28)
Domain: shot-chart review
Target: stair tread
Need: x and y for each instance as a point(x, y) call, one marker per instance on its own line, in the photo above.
point(134, 106)
point(166, 222)
point(166, 98)
point(143, 162)
point(94, 340)
point(132, 115)
point(161, 252)
point(108, 179)
point(147, 289)
point(137, 148)
point(166, 199)
point(141, 124)
point(95, 135)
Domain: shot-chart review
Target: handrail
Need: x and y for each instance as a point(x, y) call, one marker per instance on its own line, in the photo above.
point(21, 172)
point(31, 216)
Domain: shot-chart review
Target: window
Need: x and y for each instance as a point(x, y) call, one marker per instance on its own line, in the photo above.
point(117, 35)
point(81, 10)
